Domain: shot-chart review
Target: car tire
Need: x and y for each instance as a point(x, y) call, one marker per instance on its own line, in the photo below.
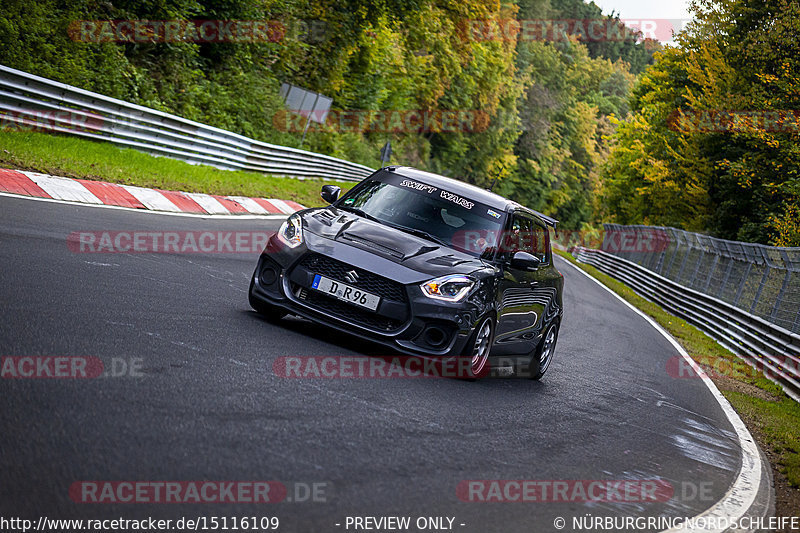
point(478, 349)
point(543, 354)
point(270, 312)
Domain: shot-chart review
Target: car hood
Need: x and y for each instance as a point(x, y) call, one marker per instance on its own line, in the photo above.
point(410, 251)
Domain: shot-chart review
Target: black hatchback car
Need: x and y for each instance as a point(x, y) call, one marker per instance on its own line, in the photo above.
point(427, 265)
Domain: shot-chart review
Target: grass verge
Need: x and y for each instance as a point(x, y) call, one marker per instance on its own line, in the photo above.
point(73, 157)
point(771, 416)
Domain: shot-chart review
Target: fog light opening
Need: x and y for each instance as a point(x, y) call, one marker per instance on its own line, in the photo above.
point(268, 275)
point(435, 336)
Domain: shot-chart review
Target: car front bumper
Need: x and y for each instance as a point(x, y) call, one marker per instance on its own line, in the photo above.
point(406, 320)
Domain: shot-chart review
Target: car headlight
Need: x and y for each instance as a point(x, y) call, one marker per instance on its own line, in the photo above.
point(291, 232)
point(452, 288)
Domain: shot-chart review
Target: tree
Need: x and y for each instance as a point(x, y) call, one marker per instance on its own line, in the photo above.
point(713, 141)
point(566, 116)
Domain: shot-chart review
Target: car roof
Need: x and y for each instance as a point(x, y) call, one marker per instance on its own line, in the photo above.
point(459, 187)
point(472, 192)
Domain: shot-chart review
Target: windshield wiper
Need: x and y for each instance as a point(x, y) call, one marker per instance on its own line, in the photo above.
point(420, 233)
point(413, 231)
point(359, 212)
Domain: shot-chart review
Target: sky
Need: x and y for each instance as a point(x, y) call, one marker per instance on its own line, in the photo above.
point(642, 10)
point(647, 9)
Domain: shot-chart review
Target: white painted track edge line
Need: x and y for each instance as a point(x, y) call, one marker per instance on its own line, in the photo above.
point(742, 494)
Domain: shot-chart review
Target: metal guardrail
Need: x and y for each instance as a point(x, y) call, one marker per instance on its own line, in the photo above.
point(761, 344)
point(763, 280)
point(33, 102)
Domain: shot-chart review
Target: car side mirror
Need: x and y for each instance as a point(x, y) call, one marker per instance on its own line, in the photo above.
point(330, 193)
point(525, 261)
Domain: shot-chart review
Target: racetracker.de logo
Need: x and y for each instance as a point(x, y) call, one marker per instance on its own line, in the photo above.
point(190, 31)
point(643, 240)
point(375, 367)
point(70, 367)
point(774, 367)
point(48, 121)
point(726, 121)
point(561, 30)
point(177, 492)
point(572, 490)
point(51, 367)
point(167, 242)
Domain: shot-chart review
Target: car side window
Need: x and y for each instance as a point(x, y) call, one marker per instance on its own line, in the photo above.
point(539, 236)
point(518, 238)
point(527, 235)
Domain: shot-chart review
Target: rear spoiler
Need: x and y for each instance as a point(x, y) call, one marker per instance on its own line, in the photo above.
point(550, 221)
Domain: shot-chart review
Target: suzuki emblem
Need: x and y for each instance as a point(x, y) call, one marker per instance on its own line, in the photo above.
point(351, 276)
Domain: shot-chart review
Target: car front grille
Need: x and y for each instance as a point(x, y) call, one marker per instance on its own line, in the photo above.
point(329, 306)
point(368, 281)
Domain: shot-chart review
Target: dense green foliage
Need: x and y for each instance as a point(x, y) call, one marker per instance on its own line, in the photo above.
point(546, 107)
point(713, 143)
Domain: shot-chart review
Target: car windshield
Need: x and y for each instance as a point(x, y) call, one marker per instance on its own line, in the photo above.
point(436, 214)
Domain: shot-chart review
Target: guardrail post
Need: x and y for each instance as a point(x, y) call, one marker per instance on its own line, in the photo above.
point(793, 265)
point(683, 264)
point(677, 242)
point(728, 269)
point(710, 273)
point(742, 284)
point(779, 299)
point(763, 282)
point(796, 325)
point(664, 245)
point(784, 286)
point(697, 266)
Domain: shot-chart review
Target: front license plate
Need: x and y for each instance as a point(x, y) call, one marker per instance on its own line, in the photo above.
point(337, 289)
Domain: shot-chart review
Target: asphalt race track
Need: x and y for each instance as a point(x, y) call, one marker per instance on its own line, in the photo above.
point(205, 403)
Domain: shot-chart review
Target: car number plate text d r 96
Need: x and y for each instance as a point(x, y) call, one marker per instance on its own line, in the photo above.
point(345, 292)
